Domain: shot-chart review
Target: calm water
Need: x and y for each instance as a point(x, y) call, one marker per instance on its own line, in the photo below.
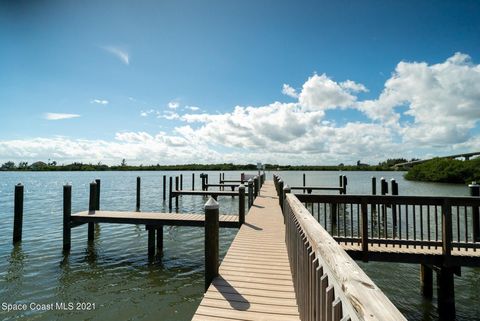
point(116, 275)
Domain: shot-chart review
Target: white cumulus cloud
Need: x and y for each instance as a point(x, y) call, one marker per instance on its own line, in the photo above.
point(59, 116)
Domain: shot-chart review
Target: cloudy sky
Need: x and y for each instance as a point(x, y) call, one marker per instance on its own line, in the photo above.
point(299, 82)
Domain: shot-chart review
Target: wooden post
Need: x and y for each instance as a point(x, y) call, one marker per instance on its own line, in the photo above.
point(259, 186)
point(151, 242)
point(304, 182)
point(286, 190)
point(220, 180)
point(241, 204)
point(446, 230)
point(211, 241)
point(138, 194)
point(181, 182)
point(160, 241)
point(475, 192)
point(394, 191)
point(250, 193)
point(170, 193)
point(176, 188)
point(97, 206)
point(426, 281)
point(193, 181)
point(67, 213)
point(340, 182)
point(18, 213)
point(92, 205)
point(280, 193)
point(383, 186)
point(446, 293)
point(374, 185)
point(256, 187)
point(164, 187)
point(364, 229)
point(344, 184)
point(203, 181)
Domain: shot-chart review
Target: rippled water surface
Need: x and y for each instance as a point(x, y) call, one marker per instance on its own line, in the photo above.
point(115, 273)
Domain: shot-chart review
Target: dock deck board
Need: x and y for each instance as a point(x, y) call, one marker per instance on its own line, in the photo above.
point(255, 281)
point(151, 218)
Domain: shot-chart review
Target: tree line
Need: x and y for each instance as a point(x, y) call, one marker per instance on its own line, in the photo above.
point(123, 166)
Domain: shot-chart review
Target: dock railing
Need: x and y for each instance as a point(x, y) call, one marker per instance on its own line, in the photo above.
point(329, 285)
point(403, 221)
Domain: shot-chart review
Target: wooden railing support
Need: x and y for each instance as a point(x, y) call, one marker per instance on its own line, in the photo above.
point(92, 205)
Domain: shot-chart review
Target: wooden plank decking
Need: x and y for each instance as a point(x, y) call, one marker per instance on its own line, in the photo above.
point(255, 281)
point(151, 218)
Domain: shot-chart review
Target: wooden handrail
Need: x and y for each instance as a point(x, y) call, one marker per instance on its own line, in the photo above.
point(329, 284)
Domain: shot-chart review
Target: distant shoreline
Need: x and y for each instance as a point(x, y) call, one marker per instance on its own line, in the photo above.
point(79, 167)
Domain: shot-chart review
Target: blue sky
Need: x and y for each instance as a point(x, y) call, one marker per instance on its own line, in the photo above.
point(95, 81)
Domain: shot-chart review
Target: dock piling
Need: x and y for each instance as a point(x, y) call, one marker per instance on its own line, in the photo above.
point(475, 192)
point(250, 193)
point(18, 213)
point(241, 204)
point(67, 212)
point(138, 194)
point(193, 181)
point(211, 241)
point(164, 187)
point(170, 193)
point(304, 182)
point(181, 181)
point(426, 281)
point(374, 185)
point(280, 193)
point(97, 203)
point(176, 188)
point(160, 241)
point(92, 206)
point(151, 242)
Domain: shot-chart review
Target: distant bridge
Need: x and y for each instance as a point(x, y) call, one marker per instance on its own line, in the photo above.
point(410, 164)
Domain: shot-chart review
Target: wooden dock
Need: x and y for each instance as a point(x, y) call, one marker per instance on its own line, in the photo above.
point(151, 218)
point(255, 281)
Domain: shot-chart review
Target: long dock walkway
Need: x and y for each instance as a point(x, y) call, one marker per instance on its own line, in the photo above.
point(255, 280)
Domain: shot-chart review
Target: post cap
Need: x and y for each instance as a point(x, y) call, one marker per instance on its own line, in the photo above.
point(286, 188)
point(211, 204)
point(474, 184)
point(392, 180)
point(93, 183)
point(19, 184)
point(250, 181)
point(241, 186)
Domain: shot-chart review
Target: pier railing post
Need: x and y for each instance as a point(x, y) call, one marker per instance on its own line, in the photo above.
point(18, 213)
point(286, 190)
point(475, 192)
point(92, 205)
point(344, 184)
point(241, 204)
point(67, 213)
point(211, 241)
point(446, 230)
point(181, 182)
point(394, 191)
point(256, 187)
point(280, 193)
point(138, 194)
point(193, 181)
point(374, 185)
point(250, 193)
point(364, 229)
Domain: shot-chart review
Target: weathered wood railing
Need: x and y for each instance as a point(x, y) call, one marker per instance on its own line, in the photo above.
point(329, 285)
point(443, 222)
